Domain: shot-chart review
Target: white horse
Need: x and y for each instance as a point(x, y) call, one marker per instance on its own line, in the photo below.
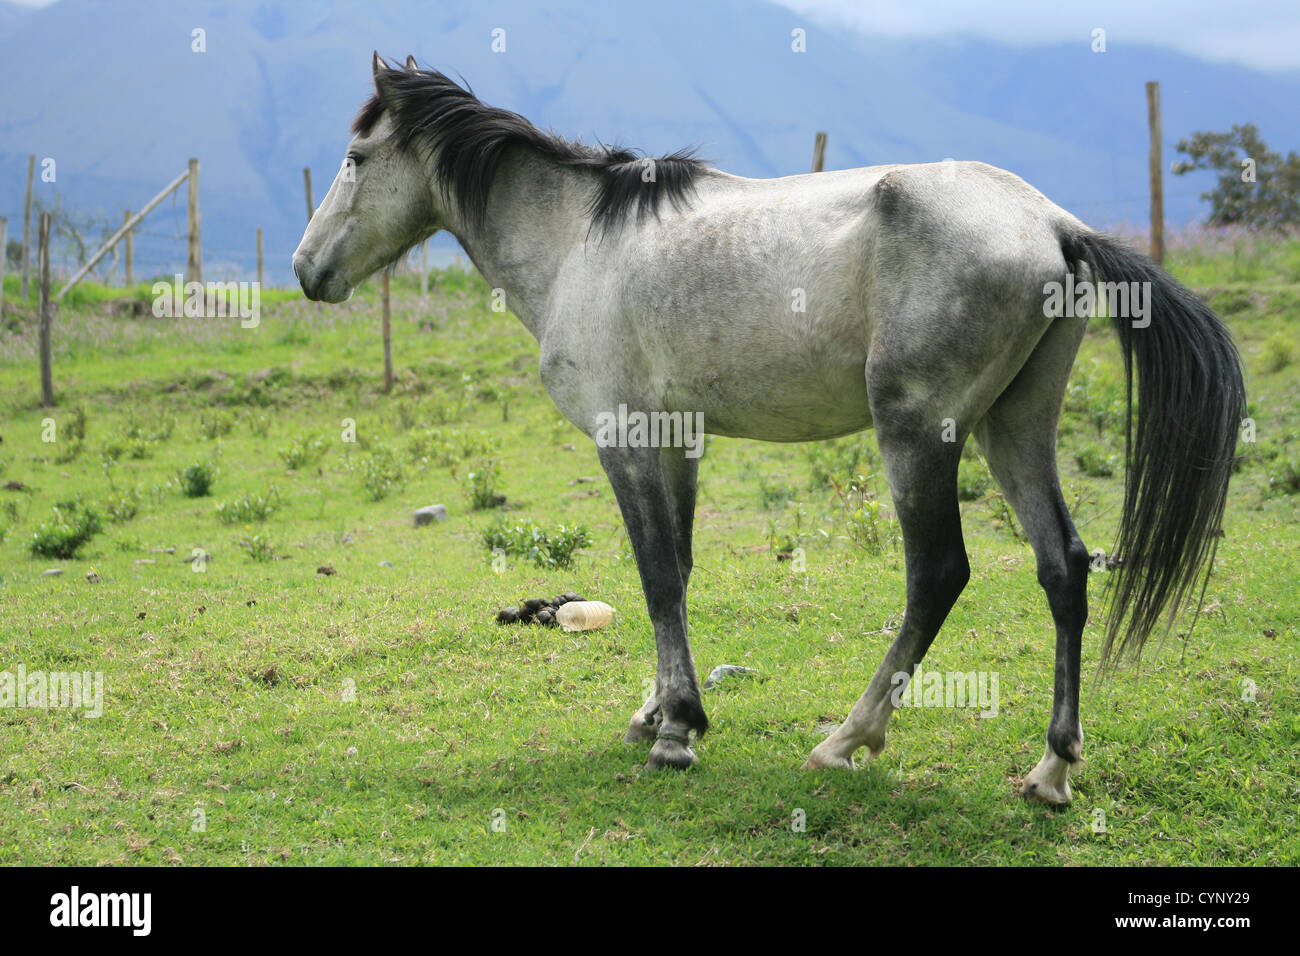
point(915, 299)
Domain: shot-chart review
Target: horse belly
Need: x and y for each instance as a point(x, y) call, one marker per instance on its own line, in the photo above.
point(776, 400)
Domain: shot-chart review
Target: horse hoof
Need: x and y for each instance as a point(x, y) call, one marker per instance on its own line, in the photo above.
point(1037, 792)
point(671, 754)
point(818, 761)
point(1049, 781)
point(640, 732)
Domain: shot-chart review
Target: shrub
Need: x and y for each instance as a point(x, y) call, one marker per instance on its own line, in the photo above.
point(1095, 461)
point(68, 451)
point(259, 424)
point(248, 508)
point(1284, 477)
point(196, 480)
point(839, 460)
point(1097, 398)
point(483, 483)
point(866, 522)
point(379, 471)
point(122, 506)
point(973, 479)
point(71, 527)
point(75, 429)
point(1278, 353)
point(303, 451)
point(215, 424)
point(554, 549)
point(259, 548)
point(775, 495)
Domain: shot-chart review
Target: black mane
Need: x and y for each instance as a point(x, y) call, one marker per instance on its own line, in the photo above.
point(467, 139)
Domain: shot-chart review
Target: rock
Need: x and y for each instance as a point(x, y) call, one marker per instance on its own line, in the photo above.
point(723, 671)
point(52, 573)
point(430, 514)
point(385, 564)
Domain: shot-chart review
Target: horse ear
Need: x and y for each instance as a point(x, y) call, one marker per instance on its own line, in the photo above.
point(383, 74)
point(411, 64)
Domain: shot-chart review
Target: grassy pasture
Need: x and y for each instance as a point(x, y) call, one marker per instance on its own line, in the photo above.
point(259, 712)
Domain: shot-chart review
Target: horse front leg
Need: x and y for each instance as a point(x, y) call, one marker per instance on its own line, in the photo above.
point(641, 484)
point(681, 473)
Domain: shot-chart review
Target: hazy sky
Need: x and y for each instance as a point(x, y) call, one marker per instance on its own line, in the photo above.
point(1261, 33)
point(1257, 33)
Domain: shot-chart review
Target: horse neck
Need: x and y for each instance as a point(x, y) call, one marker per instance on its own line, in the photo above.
point(535, 214)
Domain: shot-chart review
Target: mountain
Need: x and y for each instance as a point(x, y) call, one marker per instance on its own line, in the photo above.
point(114, 93)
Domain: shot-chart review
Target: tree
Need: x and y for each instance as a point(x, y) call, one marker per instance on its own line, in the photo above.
point(1256, 188)
point(78, 235)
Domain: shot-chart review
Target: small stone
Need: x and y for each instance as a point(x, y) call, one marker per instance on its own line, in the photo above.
point(385, 564)
point(52, 573)
point(145, 561)
point(723, 671)
point(430, 514)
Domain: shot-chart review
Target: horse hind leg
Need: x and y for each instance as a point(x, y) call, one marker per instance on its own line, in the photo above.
point(1018, 435)
point(922, 470)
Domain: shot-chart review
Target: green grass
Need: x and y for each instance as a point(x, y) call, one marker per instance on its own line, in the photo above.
point(379, 714)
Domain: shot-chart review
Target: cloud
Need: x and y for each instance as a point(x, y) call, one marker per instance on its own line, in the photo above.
point(1256, 33)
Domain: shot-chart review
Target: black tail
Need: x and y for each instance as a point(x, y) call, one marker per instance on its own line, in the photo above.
point(1190, 403)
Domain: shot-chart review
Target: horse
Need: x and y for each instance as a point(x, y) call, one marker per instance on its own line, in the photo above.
point(919, 300)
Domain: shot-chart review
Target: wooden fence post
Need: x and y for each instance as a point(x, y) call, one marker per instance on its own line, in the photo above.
point(4, 260)
point(194, 263)
point(819, 152)
point(424, 269)
point(259, 257)
point(47, 314)
point(129, 251)
point(1157, 175)
point(27, 227)
point(388, 335)
point(306, 181)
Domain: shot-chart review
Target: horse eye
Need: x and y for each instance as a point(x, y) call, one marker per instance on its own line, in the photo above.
point(355, 160)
